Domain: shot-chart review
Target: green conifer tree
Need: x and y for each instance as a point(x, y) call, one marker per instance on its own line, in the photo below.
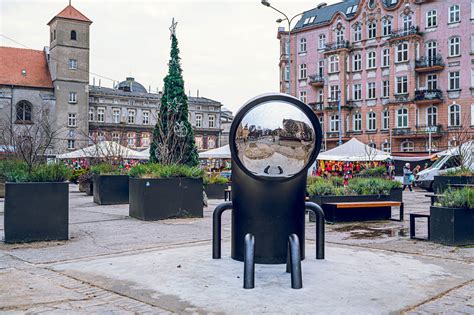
point(173, 136)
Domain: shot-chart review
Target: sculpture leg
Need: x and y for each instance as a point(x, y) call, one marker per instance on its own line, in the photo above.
point(249, 262)
point(319, 213)
point(216, 228)
point(295, 262)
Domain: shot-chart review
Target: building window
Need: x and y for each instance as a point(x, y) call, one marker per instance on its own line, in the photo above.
point(303, 45)
point(357, 62)
point(402, 52)
point(71, 144)
point(454, 46)
point(54, 35)
point(334, 123)
point(145, 140)
point(91, 113)
point(385, 88)
point(454, 80)
point(386, 27)
point(371, 56)
point(407, 22)
point(72, 97)
point(454, 14)
point(386, 57)
point(116, 115)
point(371, 30)
point(371, 90)
point(24, 111)
point(115, 137)
point(334, 92)
point(432, 81)
point(71, 120)
point(131, 116)
point(371, 121)
point(101, 136)
point(402, 85)
point(302, 71)
point(454, 117)
point(339, 36)
point(212, 121)
point(334, 64)
point(73, 35)
point(322, 41)
point(101, 114)
point(303, 96)
point(72, 64)
point(146, 117)
point(199, 120)
point(131, 139)
point(431, 19)
point(357, 92)
point(385, 119)
point(357, 122)
point(321, 96)
point(358, 33)
point(198, 141)
point(432, 116)
point(386, 147)
point(407, 146)
point(402, 118)
point(211, 142)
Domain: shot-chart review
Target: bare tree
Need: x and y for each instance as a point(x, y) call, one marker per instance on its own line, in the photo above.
point(463, 137)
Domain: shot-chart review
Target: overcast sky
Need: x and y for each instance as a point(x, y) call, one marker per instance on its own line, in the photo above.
point(228, 48)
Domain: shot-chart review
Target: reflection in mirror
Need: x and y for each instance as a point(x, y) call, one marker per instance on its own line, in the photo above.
point(275, 139)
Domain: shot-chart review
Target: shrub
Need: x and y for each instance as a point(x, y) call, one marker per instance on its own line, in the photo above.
point(458, 198)
point(154, 170)
point(337, 181)
point(76, 173)
point(321, 187)
point(15, 171)
point(464, 171)
point(108, 169)
point(378, 171)
point(215, 180)
point(85, 177)
point(372, 186)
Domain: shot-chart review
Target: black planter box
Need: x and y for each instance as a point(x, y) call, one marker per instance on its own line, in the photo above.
point(215, 191)
point(36, 212)
point(452, 226)
point(110, 189)
point(441, 183)
point(356, 214)
point(165, 198)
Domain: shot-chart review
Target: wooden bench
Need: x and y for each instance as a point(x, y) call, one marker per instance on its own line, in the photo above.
point(364, 205)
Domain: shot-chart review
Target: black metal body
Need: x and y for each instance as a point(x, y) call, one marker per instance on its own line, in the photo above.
point(165, 198)
point(452, 226)
point(36, 212)
point(110, 189)
point(249, 262)
point(413, 217)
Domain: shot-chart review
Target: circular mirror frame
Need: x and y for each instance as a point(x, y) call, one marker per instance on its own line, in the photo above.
point(265, 98)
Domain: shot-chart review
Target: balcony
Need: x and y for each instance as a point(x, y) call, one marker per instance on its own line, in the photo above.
point(332, 47)
point(428, 96)
point(316, 106)
point(334, 105)
point(424, 130)
point(316, 80)
point(405, 33)
point(425, 64)
point(420, 131)
point(334, 136)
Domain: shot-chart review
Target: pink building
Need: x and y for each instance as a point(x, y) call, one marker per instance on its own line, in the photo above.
point(402, 70)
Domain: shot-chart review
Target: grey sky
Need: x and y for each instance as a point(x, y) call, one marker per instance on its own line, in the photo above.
point(228, 48)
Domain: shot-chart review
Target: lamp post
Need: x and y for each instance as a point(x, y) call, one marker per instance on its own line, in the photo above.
point(288, 41)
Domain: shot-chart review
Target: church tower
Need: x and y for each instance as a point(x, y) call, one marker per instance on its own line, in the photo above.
point(69, 68)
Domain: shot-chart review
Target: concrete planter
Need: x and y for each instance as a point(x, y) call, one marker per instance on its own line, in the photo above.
point(110, 189)
point(215, 191)
point(36, 212)
point(452, 226)
point(165, 198)
point(441, 183)
point(87, 187)
point(2, 190)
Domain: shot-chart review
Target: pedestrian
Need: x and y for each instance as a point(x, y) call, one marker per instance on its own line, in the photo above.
point(407, 176)
point(416, 170)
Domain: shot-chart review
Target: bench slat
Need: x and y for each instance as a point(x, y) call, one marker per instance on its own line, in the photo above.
point(368, 204)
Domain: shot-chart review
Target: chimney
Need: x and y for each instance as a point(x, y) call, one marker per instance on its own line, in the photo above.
point(198, 93)
point(93, 81)
point(99, 82)
point(321, 5)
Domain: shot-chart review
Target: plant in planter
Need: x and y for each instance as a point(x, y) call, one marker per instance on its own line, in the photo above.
point(452, 219)
point(44, 214)
point(214, 186)
point(110, 184)
point(160, 192)
point(461, 176)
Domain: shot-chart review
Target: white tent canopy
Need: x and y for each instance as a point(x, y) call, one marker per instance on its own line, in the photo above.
point(465, 148)
point(101, 150)
point(218, 153)
point(354, 150)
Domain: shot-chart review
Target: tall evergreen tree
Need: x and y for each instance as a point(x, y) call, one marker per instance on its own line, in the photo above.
point(173, 136)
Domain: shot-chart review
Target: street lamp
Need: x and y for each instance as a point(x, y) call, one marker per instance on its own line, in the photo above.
point(288, 42)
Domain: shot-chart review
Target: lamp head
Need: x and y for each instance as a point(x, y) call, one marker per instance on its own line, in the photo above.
point(266, 3)
point(279, 20)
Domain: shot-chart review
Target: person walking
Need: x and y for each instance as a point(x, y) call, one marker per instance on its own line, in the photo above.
point(407, 176)
point(416, 170)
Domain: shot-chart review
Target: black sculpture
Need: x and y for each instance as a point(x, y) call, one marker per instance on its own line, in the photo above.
point(274, 139)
